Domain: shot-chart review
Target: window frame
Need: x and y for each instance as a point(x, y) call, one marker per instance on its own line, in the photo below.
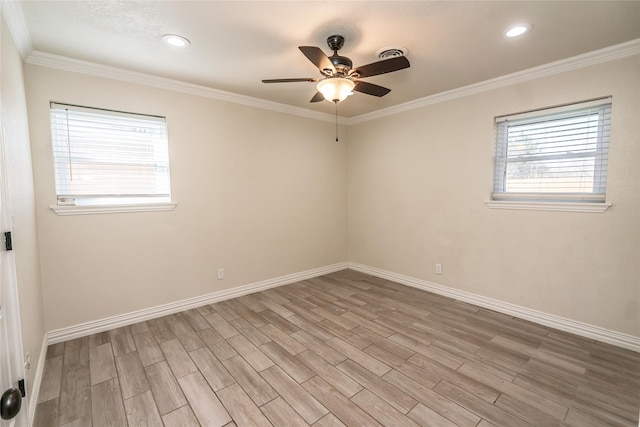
point(105, 123)
point(594, 201)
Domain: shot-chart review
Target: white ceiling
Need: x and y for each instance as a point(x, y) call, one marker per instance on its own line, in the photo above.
point(235, 44)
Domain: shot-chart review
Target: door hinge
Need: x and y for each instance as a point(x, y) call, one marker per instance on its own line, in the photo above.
point(23, 391)
point(8, 244)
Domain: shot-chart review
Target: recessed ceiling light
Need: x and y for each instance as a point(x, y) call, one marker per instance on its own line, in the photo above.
point(175, 40)
point(518, 30)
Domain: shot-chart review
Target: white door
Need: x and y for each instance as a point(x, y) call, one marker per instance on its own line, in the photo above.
point(11, 364)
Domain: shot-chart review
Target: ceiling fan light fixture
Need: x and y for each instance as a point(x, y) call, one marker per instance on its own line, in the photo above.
point(336, 89)
point(175, 40)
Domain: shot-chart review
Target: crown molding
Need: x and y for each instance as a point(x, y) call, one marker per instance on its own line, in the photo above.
point(12, 12)
point(114, 73)
point(610, 53)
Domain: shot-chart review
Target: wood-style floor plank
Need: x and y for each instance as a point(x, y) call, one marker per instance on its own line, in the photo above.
point(75, 396)
point(221, 325)
point(427, 417)
point(259, 390)
point(241, 407)
point(141, 411)
point(187, 336)
point(252, 354)
point(336, 378)
point(148, 348)
point(391, 394)
point(76, 354)
point(484, 409)
point(217, 344)
point(51, 379)
point(195, 319)
point(252, 333)
point(329, 420)
point(102, 364)
point(205, 404)
point(107, 406)
point(344, 349)
point(121, 341)
point(381, 411)
point(182, 417)
point(436, 402)
point(178, 358)
point(164, 386)
point(133, 380)
point(319, 347)
point(290, 364)
point(211, 368)
point(47, 414)
point(360, 357)
point(344, 409)
point(281, 414)
point(296, 396)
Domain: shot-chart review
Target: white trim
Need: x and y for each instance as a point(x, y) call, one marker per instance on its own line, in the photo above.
point(93, 327)
point(597, 333)
point(555, 110)
point(610, 53)
point(37, 380)
point(548, 206)
point(84, 67)
point(102, 209)
point(12, 12)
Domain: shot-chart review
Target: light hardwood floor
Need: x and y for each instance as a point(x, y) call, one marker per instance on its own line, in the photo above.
point(343, 349)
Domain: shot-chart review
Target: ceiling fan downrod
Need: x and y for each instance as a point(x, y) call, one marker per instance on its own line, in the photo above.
point(342, 64)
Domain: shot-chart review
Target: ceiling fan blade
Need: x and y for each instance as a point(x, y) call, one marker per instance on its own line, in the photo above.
point(382, 67)
point(317, 97)
point(318, 58)
point(304, 79)
point(371, 89)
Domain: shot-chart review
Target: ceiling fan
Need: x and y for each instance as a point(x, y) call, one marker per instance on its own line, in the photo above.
point(339, 77)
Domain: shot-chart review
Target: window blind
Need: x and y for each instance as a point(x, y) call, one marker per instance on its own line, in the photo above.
point(554, 154)
point(109, 157)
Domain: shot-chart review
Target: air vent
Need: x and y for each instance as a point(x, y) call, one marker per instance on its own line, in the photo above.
point(391, 52)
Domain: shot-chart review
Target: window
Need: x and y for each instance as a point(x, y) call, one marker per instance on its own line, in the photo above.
point(554, 155)
point(107, 157)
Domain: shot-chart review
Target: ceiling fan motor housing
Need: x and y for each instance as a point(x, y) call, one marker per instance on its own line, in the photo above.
point(335, 42)
point(342, 64)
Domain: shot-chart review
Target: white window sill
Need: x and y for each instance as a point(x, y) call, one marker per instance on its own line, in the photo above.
point(102, 209)
point(548, 206)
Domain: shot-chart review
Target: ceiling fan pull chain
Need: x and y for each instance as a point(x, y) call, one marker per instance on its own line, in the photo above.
point(336, 102)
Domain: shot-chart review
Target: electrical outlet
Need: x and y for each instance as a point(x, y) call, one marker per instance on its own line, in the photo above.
point(438, 268)
point(220, 273)
point(27, 361)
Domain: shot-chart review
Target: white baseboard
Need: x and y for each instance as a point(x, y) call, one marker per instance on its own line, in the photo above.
point(597, 333)
point(101, 325)
point(37, 380)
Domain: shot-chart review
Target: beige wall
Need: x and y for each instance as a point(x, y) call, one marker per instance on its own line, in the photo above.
point(261, 194)
point(265, 194)
point(418, 181)
point(15, 131)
